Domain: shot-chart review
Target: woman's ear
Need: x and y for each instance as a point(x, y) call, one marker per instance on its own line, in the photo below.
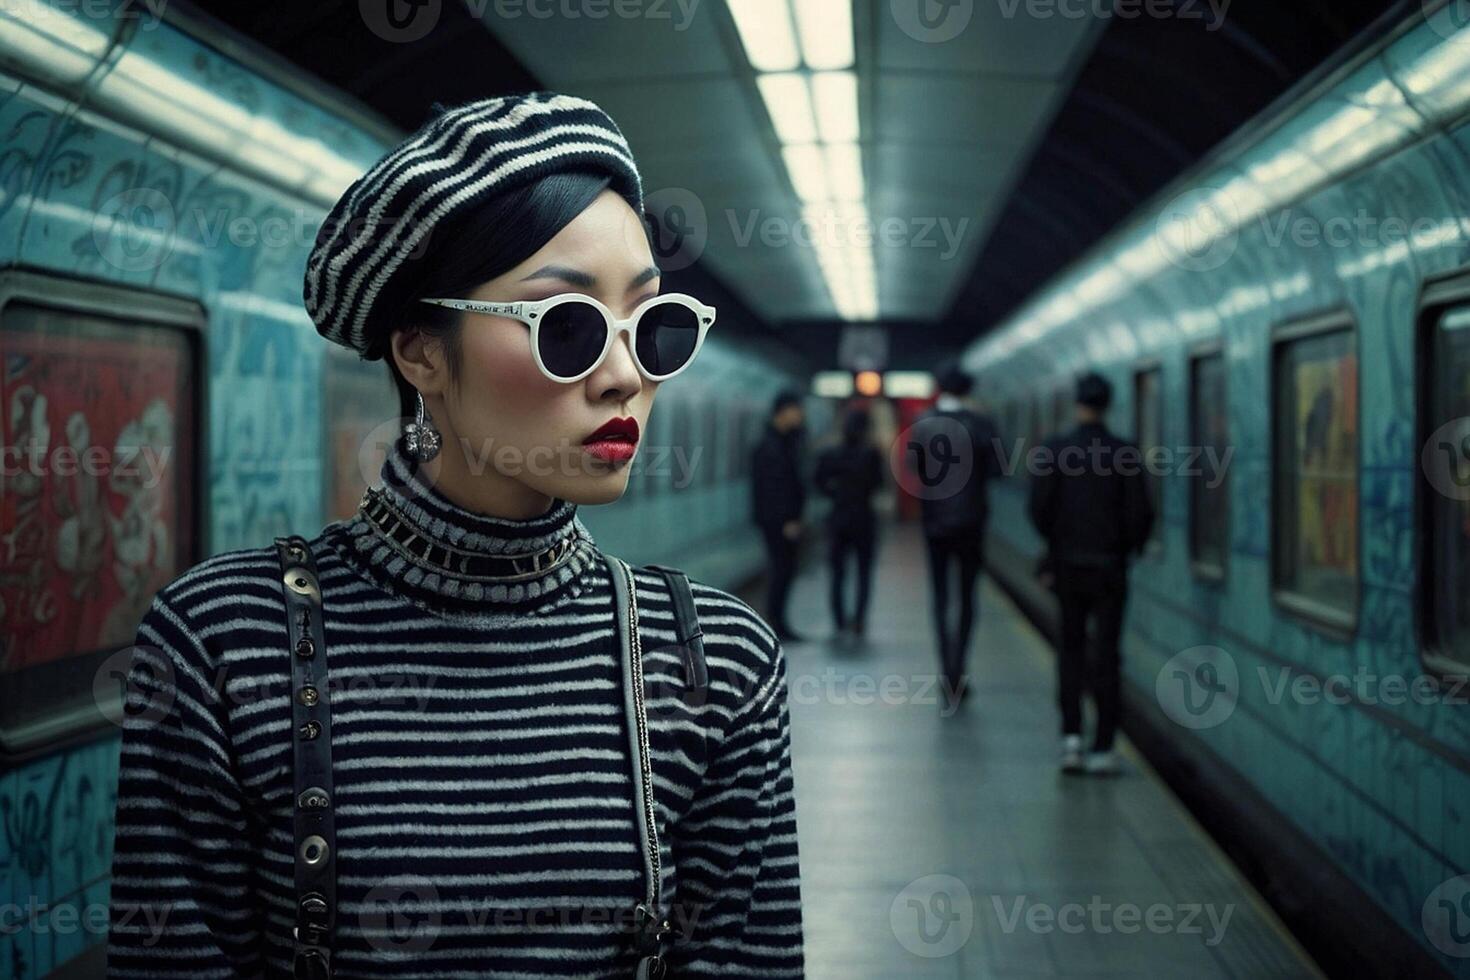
point(420, 360)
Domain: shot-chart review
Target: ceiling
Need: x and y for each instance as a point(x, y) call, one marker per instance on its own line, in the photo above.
point(996, 156)
point(945, 128)
point(1155, 96)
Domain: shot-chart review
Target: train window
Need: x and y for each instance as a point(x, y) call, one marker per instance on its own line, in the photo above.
point(734, 441)
point(709, 453)
point(1061, 410)
point(691, 472)
point(101, 505)
point(1209, 507)
point(1447, 509)
point(1315, 472)
point(655, 452)
point(1026, 431)
point(674, 475)
point(1148, 428)
point(1039, 430)
point(755, 423)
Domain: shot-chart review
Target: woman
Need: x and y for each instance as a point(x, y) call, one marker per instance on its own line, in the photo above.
point(850, 474)
point(483, 791)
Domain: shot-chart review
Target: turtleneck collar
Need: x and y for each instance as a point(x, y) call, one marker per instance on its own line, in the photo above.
point(416, 542)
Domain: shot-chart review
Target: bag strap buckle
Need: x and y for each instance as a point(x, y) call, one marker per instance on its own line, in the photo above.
point(656, 928)
point(311, 963)
point(687, 630)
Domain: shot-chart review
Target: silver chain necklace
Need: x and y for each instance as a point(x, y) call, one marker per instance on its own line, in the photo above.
point(434, 556)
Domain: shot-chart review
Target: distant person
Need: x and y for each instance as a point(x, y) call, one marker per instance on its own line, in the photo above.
point(959, 456)
point(850, 473)
point(777, 500)
point(1091, 506)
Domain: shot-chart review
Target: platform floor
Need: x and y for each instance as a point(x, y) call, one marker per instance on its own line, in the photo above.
point(939, 844)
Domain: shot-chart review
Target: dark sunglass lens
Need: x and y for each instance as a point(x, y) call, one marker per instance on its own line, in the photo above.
point(571, 336)
point(667, 333)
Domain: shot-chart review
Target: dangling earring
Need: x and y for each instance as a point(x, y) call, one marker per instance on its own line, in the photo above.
point(421, 438)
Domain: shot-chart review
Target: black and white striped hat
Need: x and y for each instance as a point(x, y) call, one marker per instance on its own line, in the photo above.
point(359, 272)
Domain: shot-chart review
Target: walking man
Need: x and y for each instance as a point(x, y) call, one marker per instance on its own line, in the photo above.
point(959, 454)
point(1090, 503)
point(777, 500)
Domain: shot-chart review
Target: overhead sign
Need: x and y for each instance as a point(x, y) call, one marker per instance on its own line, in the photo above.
point(863, 347)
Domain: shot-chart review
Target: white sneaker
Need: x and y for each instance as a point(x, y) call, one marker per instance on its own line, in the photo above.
point(1103, 763)
point(1072, 753)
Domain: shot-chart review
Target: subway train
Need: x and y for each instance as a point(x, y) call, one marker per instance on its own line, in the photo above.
point(161, 183)
point(1287, 331)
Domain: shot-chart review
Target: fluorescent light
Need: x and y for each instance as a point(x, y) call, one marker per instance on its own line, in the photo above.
point(844, 257)
point(845, 171)
point(808, 171)
point(789, 103)
point(908, 384)
point(50, 44)
point(193, 116)
point(835, 96)
point(827, 175)
point(825, 27)
point(832, 384)
point(765, 31)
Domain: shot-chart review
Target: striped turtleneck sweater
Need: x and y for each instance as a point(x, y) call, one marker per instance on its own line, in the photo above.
point(484, 798)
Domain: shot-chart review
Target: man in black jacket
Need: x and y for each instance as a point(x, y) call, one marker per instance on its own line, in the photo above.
point(954, 449)
point(850, 473)
point(1089, 501)
point(777, 499)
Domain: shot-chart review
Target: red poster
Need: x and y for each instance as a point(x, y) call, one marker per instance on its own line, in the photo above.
point(96, 508)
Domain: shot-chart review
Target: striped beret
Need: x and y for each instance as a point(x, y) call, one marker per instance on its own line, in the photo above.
point(358, 275)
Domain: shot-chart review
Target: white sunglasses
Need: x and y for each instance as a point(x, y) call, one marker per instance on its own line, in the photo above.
point(571, 333)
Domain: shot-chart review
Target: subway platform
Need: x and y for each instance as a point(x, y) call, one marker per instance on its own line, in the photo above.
point(945, 843)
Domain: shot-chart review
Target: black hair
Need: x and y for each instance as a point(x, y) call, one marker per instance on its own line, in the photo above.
point(787, 397)
point(855, 426)
point(479, 245)
point(953, 379)
point(1094, 391)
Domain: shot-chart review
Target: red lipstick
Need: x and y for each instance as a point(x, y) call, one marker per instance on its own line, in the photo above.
point(614, 441)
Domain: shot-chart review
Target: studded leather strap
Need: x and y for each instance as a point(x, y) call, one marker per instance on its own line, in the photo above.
point(316, 842)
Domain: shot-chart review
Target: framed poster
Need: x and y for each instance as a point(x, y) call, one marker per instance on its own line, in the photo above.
point(1315, 471)
point(99, 492)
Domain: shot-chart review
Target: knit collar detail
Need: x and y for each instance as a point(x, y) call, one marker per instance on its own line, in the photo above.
point(416, 542)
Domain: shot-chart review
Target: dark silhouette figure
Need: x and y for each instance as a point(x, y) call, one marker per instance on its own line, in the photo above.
point(954, 449)
point(777, 500)
point(850, 474)
point(1091, 505)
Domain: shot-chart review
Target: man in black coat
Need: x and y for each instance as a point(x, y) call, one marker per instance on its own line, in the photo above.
point(777, 500)
point(954, 449)
point(850, 473)
point(1089, 501)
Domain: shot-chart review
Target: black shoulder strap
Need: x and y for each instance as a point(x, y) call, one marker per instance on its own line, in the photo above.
point(316, 841)
point(686, 629)
point(653, 928)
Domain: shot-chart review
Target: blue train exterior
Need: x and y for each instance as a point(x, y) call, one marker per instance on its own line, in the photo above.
point(1353, 802)
point(104, 117)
